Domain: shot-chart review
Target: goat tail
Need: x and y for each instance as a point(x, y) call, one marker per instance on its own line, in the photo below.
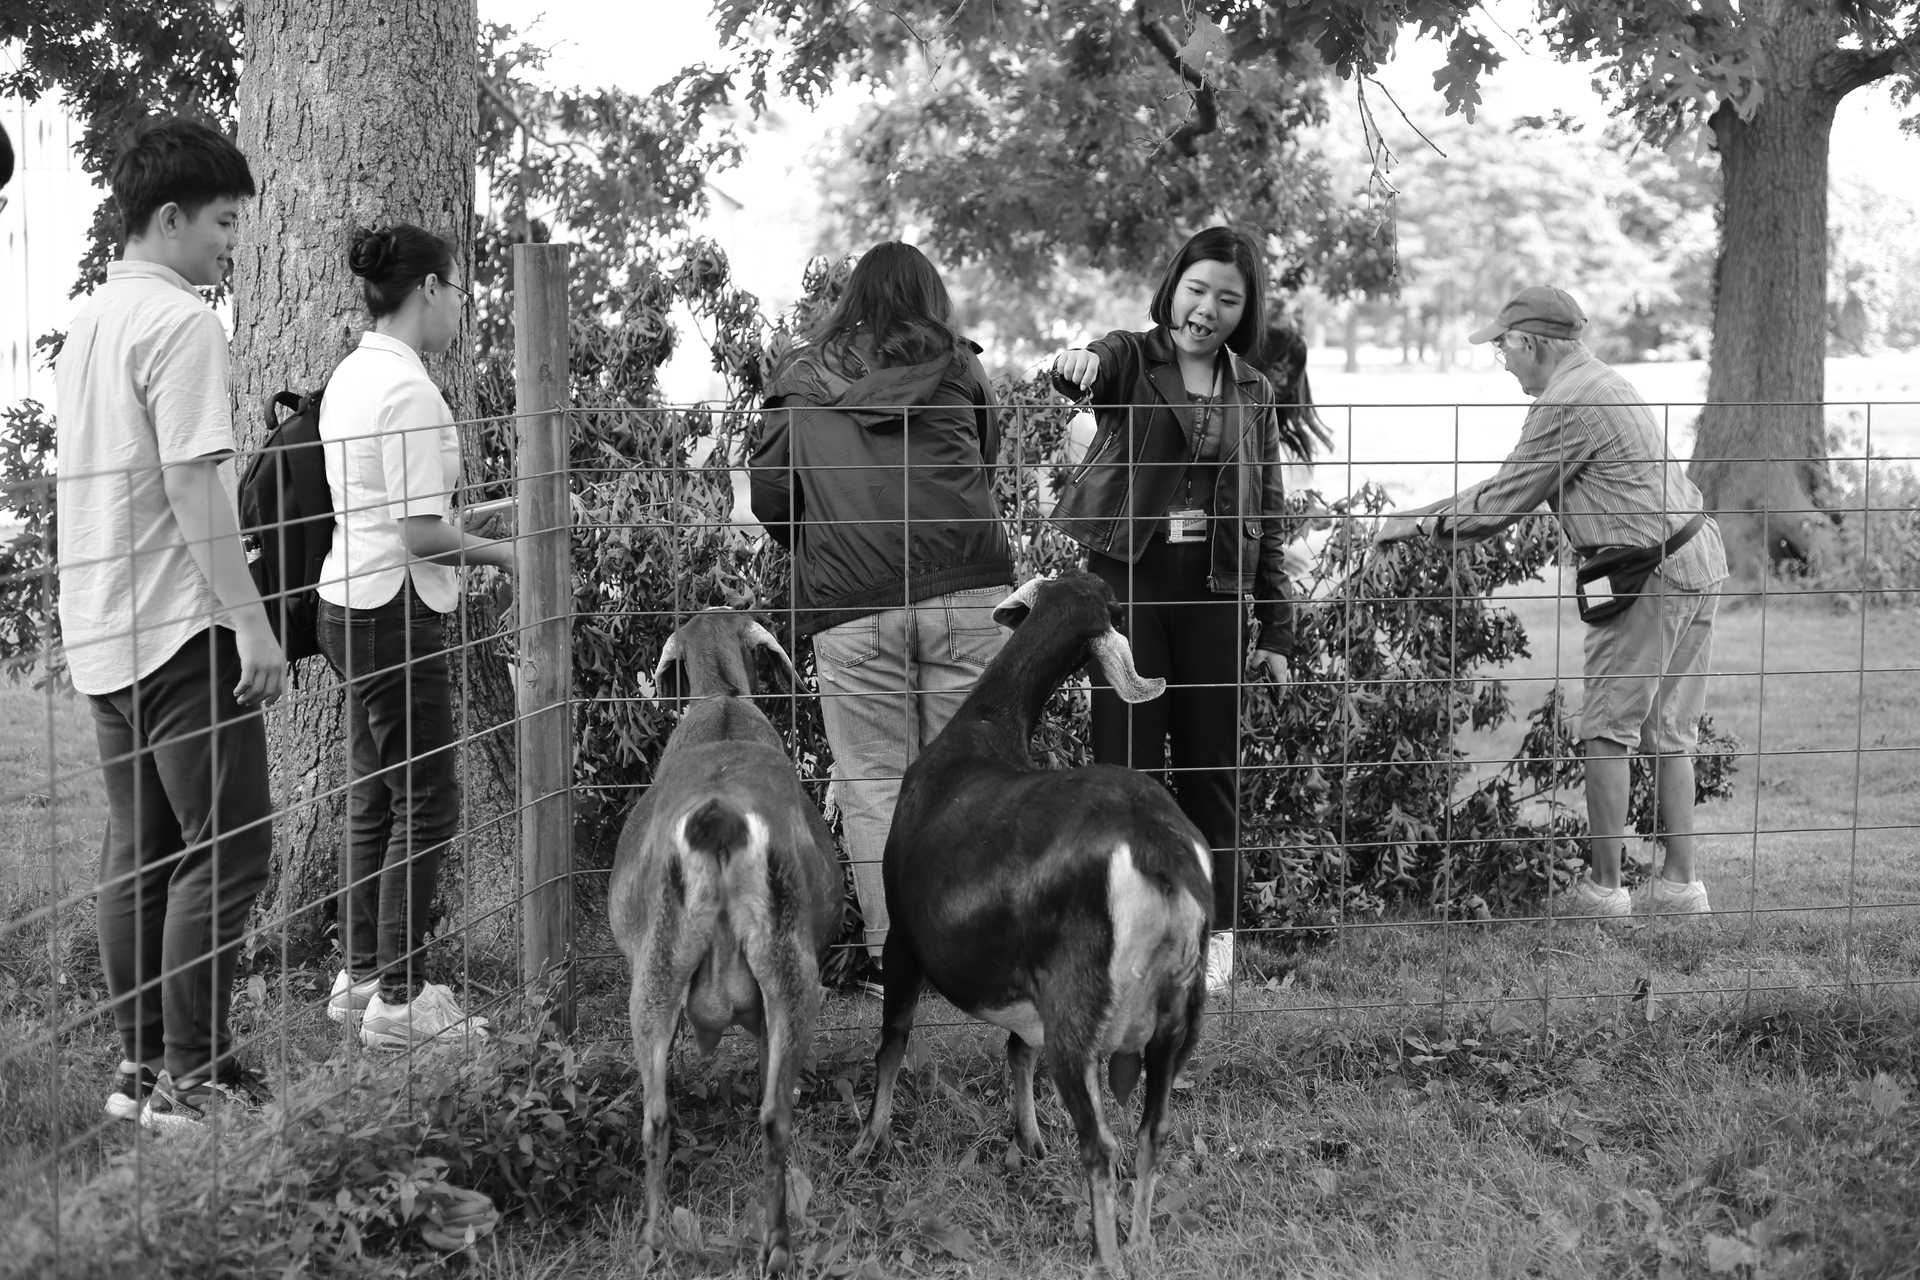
point(716, 829)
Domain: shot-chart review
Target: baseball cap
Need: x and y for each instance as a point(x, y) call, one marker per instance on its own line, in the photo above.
point(1539, 308)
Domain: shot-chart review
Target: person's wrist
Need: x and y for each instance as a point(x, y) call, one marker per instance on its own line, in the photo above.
point(251, 621)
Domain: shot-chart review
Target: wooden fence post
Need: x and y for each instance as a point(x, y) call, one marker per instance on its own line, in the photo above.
point(543, 592)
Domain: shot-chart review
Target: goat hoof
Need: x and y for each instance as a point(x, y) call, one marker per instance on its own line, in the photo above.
point(778, 1262)
point(1012, 1160)
point(868, 1147)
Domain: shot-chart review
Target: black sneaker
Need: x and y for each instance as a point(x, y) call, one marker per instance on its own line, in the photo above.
point(235, 1090)
point(130, 1094)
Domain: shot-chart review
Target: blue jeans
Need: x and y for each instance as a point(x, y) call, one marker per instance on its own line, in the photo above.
point(404, 805)
point(889, 682)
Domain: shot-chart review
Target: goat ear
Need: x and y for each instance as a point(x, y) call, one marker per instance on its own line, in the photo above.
point(670, 673)
point(761, 641)
point(670, 683)
point(1013, 611)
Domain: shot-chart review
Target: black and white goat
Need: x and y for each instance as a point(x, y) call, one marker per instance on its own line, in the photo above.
point(725, 892)
point(1070, 907)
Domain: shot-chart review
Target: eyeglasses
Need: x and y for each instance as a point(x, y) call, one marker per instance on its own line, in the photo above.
point(1500, 351)
point(466, 295)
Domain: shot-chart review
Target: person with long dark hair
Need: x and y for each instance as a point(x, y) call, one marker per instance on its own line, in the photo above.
point(872, 464)
point(393, 466)
point(1178, 503)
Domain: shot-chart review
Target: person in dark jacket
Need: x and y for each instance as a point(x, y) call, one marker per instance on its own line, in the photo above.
point(1179, 504)
point(872, 465)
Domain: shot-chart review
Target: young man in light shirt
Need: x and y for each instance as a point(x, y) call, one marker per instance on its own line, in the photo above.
point(163, 628)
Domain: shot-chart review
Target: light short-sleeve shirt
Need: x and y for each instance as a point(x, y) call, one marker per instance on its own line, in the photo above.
point(142, 381)
point(1593, 451)
point(392, 452)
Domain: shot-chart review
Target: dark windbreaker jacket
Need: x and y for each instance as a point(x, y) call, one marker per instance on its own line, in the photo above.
point(830, 479)
point(1121, 491)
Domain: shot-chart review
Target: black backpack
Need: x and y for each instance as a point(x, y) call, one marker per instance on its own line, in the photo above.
point(286, 518)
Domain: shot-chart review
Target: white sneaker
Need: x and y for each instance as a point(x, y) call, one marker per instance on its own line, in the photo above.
point(1666, 898)
point(1219, 962)
point(133, 1083)
point(1587, 899)
point(432, 1015)
point(350, 997)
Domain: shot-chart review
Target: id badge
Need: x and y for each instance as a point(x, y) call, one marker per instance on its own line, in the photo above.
point(1598, 592)
point(1189, 525)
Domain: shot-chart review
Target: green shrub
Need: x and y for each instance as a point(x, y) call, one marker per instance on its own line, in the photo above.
point(367, 1168)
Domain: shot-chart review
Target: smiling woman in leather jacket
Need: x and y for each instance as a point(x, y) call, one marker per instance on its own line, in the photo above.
point(1179, 504)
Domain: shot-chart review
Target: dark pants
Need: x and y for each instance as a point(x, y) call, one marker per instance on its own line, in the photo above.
point(1192, 638)
point(404, 806)
point(189, 840)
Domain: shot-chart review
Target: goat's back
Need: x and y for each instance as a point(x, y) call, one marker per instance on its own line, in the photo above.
point(1008, 883)
point(725, 750)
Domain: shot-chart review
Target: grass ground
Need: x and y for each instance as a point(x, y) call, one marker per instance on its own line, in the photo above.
point(1726, 1097)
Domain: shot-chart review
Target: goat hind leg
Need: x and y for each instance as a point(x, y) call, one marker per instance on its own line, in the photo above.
point(1152, 1138)
point(1021, 1058)
point(654, 1022)
point(1079, 1085)
point(790, 1001)
point(904, 980)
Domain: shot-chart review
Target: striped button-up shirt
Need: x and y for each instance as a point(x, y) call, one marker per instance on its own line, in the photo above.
point(1593, 451)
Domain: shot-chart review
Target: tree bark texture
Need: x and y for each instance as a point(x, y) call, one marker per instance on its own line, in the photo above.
point(351, 114)
point(1760, 456)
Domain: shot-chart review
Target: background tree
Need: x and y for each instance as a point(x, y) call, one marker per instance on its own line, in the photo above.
point(1873, 266)
point(1094, 146)
point(1486, 210)
point(1766, 77)
point(351, 115)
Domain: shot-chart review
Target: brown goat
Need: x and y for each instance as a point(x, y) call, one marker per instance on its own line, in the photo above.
point(725, 893)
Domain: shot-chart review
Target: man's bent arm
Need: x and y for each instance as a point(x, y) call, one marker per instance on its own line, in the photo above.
point(212, 532)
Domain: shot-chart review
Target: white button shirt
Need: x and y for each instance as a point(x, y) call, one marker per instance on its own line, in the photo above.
point(392, 452)
point(142, 381)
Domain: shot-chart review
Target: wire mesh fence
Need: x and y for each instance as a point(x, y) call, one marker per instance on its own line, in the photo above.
point(1418, 772)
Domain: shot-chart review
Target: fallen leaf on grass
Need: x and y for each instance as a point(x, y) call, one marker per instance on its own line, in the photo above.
point(955, 1240)
point(844, 1087)
point(1726, 1253)
point(799, 1191)
point(685, 1223)
point(1884, 1097)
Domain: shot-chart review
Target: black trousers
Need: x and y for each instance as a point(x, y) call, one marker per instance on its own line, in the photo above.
point(189, 839)
point(1193, 638)
point(404, 805)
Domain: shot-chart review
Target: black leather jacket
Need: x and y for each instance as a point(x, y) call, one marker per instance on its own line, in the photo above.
point(1121, 491)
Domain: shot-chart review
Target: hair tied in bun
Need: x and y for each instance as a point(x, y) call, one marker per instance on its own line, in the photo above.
point(372, 255)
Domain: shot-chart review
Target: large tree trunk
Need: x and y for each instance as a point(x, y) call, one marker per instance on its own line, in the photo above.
point(351, 114)
point(1760, 457)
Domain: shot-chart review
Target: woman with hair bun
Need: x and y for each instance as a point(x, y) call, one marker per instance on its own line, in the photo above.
point(393, 465)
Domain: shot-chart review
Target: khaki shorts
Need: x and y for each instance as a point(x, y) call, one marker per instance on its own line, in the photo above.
point(1645, 681)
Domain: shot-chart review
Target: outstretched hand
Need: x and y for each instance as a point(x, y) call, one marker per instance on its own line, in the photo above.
point(1272, 666)
point(1078, 366)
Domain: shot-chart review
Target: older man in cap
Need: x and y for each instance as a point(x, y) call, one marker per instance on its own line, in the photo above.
point(1650, 573)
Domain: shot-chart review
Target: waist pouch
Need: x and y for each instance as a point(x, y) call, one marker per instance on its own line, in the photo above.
point(1610, 579)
